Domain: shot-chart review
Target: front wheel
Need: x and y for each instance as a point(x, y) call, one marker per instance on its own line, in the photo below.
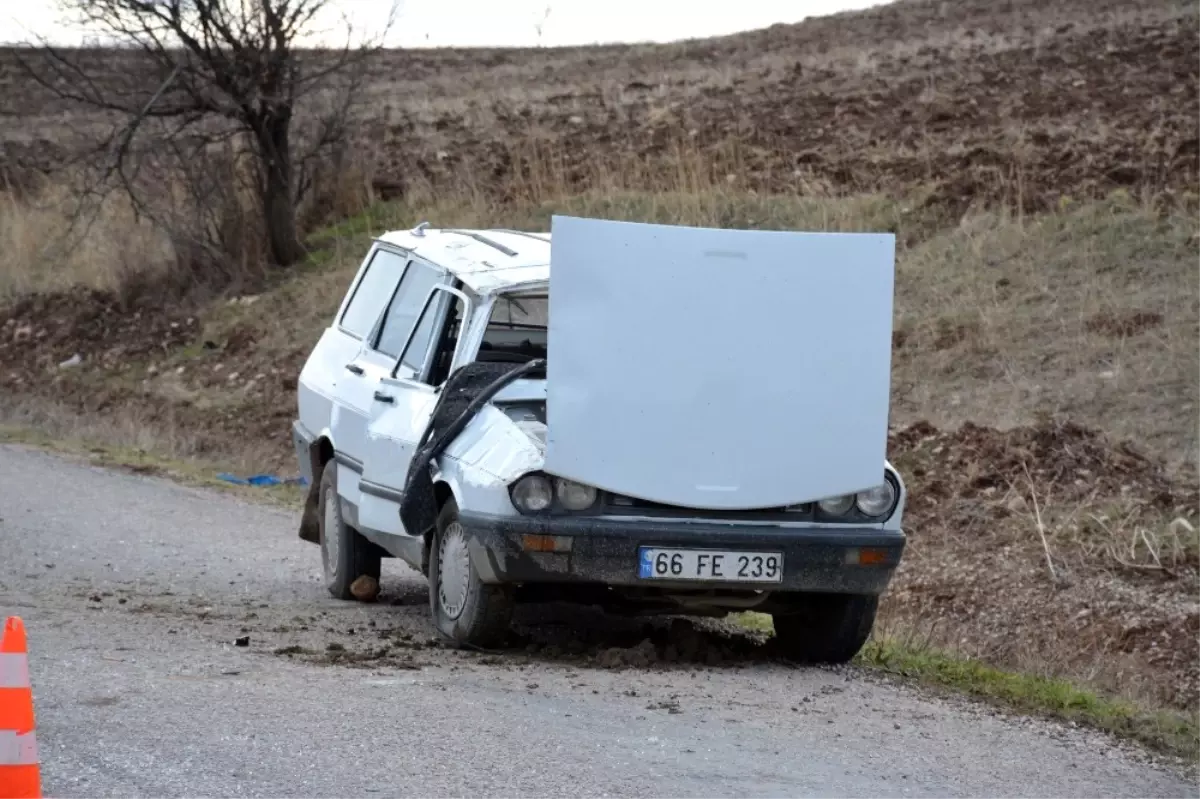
point(825, 628)
point(345, 555)
point(465, 609)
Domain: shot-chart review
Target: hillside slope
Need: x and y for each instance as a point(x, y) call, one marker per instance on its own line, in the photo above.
point(1019, 101)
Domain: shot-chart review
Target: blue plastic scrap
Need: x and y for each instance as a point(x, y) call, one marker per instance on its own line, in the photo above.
point(261, 480)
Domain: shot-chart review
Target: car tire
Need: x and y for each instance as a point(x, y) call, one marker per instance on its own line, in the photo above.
point(465, 610)
point(345, 554)
point(825, 628)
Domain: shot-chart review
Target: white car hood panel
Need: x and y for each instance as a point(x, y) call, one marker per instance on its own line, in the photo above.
point(718, 369)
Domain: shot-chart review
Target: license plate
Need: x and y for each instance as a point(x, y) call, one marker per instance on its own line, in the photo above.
point(709, 564)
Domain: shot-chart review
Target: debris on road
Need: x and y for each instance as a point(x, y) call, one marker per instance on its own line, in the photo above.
point(365, 588)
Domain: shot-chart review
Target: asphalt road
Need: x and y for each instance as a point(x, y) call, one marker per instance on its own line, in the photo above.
point(134, 590)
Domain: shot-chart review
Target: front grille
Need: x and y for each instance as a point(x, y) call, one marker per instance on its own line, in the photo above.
point(618, 504)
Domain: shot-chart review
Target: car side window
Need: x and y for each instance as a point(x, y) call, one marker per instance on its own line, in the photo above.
point(406, 305)
point(418, 346)
point(447, 334)
point(372, 292)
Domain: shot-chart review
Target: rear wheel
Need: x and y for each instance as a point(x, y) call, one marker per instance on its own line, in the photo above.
point(825, 628)
point(465, 609)
point(345, 555)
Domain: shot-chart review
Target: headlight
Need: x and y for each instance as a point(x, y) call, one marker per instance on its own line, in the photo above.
point(837, 506)
point(575, 496)
point(876, 501)
point(532, 494)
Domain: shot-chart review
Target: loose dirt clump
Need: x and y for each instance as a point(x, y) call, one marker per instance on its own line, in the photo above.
point(1077, 463)
point(1123, 326)
point(585, 636)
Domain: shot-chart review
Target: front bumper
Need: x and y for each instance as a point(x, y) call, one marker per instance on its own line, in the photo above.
point(604, 550)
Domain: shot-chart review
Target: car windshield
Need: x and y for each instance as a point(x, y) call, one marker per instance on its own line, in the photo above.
point(516, 330)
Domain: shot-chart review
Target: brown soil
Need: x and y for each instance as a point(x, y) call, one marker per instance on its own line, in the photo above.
point(1124, 326)
point(1022, 102)
point(976, 572)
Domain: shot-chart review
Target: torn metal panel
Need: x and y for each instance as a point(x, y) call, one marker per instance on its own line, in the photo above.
point(498, 448)
point(522, 390)
point(464, 394)
point(720, 369)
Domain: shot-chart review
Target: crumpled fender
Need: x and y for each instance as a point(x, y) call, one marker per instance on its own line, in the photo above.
point(463, 396)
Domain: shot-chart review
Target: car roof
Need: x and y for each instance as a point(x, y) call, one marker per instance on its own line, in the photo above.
point(486, 261)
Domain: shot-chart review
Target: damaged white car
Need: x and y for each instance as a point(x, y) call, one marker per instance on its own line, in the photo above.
point(670, 420)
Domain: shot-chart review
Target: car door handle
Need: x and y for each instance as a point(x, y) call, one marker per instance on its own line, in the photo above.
point(381, 397)
point(355, 368)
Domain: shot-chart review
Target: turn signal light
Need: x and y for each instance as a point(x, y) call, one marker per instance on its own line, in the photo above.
point(546, 543)
point(868, 556)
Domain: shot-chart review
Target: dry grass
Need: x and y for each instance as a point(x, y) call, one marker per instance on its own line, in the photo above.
point(300, 306)
point(124, 436)
point(1090, 312)
point(45, 246)
point(997, 321)
point(995, 316)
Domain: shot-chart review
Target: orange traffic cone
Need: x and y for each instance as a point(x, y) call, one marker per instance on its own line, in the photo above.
point(20, 777)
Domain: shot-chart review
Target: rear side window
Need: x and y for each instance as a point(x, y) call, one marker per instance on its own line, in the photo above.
point(406, 306)
point(372, 292)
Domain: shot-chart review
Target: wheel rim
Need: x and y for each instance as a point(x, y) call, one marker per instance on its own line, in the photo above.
point(454, 570)
point(330, 535)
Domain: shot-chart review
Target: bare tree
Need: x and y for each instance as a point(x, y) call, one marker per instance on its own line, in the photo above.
point(186, 76)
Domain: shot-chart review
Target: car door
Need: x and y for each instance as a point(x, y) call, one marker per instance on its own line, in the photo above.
point(404, 402)
point(356, 377)
point(340, 343)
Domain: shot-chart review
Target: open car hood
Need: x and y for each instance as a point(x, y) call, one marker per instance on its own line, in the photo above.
point(718, 369)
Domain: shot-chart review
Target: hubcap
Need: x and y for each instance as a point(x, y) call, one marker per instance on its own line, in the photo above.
point(330, 538)
point(454, 570)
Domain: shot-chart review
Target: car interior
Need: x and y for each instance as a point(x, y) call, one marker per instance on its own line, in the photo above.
point(516, 333)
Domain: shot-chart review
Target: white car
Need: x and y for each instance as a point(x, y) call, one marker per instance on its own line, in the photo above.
point(692, 445)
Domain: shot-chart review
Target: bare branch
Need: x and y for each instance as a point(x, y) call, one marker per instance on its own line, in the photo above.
point(194, 75)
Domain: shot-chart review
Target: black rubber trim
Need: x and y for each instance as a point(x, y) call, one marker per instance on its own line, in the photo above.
point(690, 533)
point(353, 464)
point(381, 491)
